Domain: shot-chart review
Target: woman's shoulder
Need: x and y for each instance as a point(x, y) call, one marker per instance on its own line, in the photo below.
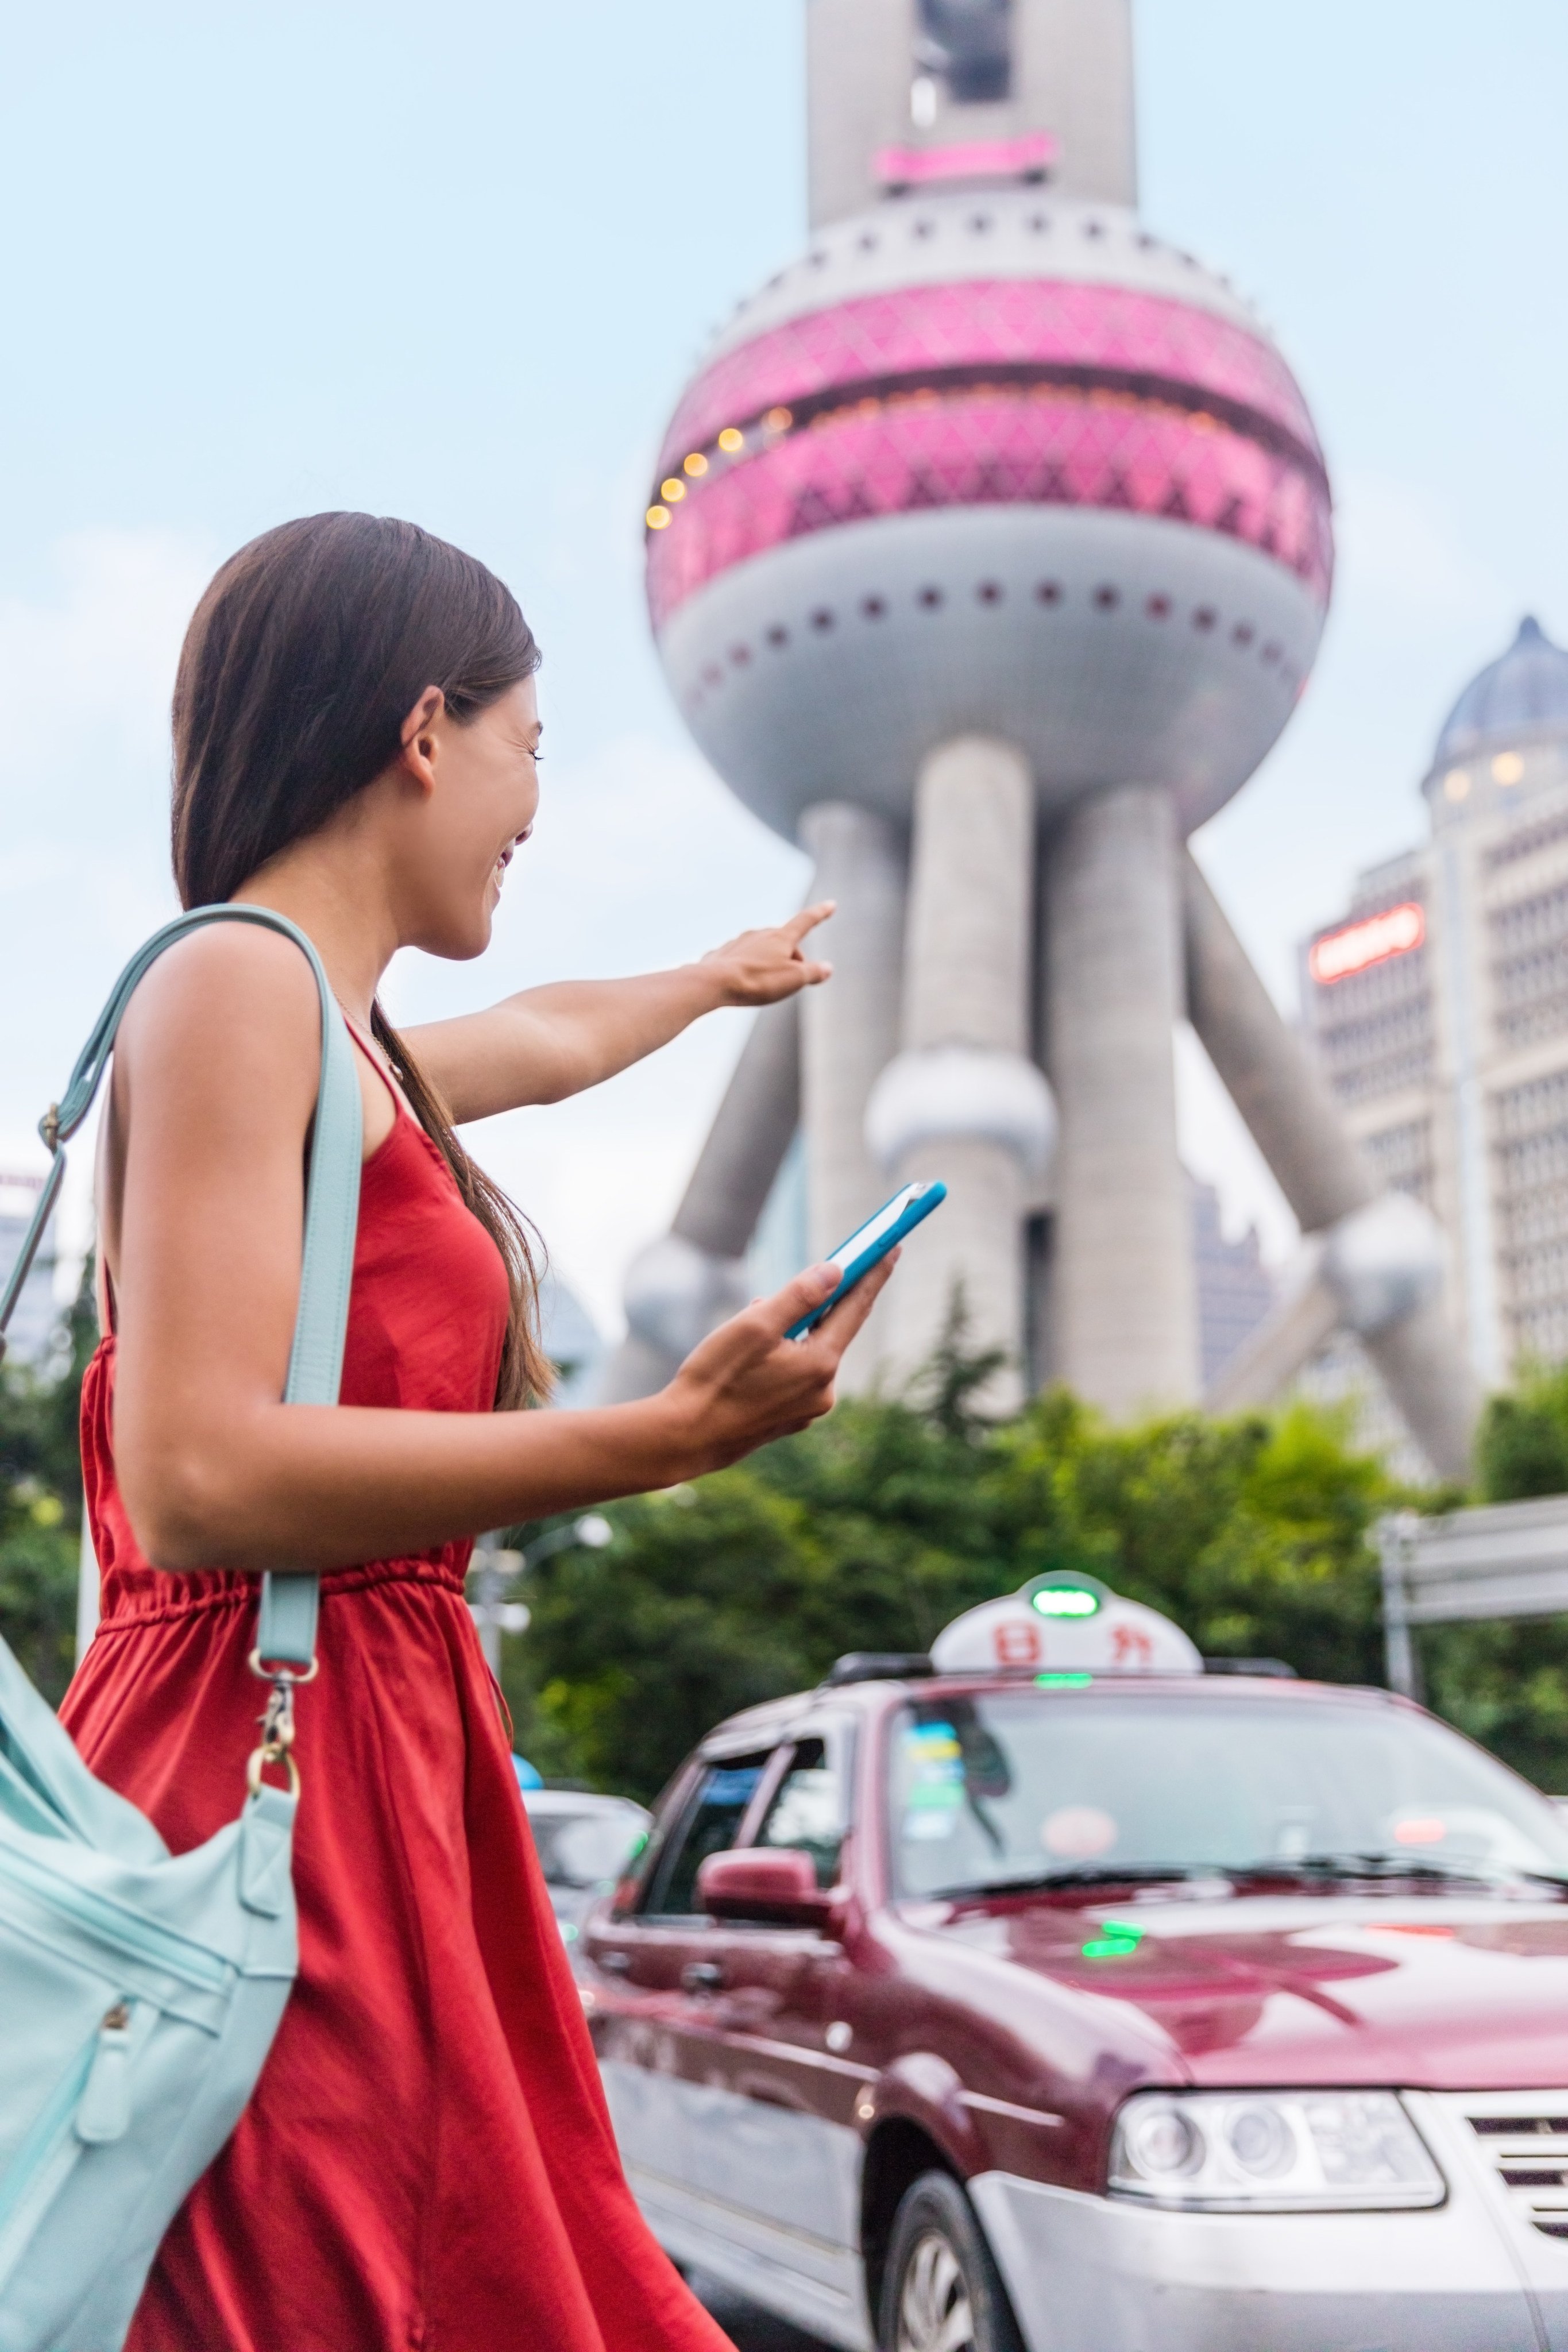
point(238, 987)
point(240, 961)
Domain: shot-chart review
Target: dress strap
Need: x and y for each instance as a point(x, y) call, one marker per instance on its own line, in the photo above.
point(372, 1051)
point(285, 1629)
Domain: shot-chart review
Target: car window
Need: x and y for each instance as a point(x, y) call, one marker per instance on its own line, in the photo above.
point(584, 1849)
point(807, 1811)
point(991, 1790)
point(709, 1824)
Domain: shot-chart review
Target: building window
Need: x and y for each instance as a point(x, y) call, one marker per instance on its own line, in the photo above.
point(1402, 1158)
point(965, 48)
point(1529, 941)
point(1530, 1146)
point(1373, 1030)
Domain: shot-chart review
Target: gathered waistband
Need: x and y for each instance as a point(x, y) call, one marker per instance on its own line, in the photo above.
point(152, 1596)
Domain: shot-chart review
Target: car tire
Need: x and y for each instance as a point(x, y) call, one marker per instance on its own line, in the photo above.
point(941, 2291)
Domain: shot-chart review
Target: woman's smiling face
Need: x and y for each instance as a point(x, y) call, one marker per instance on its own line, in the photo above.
point(479, 808)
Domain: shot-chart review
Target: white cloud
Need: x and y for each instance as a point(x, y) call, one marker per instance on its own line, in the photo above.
point(86, 672)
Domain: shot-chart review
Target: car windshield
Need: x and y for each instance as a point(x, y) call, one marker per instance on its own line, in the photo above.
point(584, 1849)
point(1025, 1785)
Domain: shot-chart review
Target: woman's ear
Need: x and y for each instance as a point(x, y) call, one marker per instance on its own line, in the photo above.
point(420, 736)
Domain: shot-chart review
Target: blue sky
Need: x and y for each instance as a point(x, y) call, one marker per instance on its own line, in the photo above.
point(455, 263)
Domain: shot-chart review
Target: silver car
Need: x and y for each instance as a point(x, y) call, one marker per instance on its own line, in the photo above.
point(585, 1844)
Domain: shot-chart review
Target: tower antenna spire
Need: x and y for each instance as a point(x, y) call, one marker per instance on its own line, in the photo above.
point(990, 77)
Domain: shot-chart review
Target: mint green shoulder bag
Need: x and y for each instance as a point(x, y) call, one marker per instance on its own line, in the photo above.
point(140, 1990)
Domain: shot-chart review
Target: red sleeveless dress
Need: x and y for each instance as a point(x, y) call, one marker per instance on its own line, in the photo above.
point(426, 2161)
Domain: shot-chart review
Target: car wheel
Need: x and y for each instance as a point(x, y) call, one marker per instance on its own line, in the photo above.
point(941, 2291)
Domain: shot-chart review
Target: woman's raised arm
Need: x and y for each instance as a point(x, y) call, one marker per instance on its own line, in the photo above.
point(548, 1042)
point(214, 1084)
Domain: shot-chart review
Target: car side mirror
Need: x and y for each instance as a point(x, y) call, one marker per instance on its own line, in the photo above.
point(773, 1887)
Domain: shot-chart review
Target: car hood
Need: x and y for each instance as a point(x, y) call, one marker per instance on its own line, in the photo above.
point(1434, 1991)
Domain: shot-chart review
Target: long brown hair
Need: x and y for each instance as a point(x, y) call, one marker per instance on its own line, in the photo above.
point(300, 664)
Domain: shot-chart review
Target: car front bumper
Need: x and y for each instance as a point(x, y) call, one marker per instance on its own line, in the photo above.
point(1474, 2274)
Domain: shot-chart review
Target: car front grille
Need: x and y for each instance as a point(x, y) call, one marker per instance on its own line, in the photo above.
point(1529, 2149)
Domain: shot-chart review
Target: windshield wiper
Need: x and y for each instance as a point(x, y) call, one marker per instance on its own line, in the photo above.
point(1387, 1867)
point(1379, 1865)
point(1086, 1874)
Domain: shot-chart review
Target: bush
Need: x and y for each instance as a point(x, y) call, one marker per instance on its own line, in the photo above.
point(1521, 1447)
point(882, 1524)
point(877, 1527)
point(40, 1504)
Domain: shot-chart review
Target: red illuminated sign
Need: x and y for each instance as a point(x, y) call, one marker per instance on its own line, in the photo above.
point(1393, 933)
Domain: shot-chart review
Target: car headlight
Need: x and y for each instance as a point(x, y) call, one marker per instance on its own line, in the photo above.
point(1270, 2151)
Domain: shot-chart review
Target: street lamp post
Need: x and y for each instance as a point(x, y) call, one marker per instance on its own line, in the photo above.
point(494, 1567)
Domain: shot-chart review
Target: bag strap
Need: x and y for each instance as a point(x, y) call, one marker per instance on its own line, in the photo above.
point(285, 1627)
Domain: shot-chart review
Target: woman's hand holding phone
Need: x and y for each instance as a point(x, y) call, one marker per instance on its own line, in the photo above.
point(747, 1383)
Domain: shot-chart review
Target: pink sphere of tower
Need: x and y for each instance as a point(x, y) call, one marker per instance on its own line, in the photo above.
point(989, 459)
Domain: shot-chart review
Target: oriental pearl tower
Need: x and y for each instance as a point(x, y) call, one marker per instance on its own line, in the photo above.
point(988, 553)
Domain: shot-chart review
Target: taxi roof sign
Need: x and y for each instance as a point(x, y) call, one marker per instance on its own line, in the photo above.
point(1064, 1622)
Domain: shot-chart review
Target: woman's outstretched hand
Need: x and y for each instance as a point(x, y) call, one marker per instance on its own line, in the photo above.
point(746, 1384)
point(760, 967)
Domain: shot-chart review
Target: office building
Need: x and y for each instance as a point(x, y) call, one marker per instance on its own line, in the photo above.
point(1439, 1008)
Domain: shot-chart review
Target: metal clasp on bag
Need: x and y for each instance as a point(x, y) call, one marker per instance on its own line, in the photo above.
point(277, 1722)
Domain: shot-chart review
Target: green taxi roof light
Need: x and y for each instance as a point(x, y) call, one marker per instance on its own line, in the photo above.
point(1065, 1601)
point(1063, 1682)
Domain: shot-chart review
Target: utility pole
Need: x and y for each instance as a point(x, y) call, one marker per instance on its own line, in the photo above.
point(495, 1568)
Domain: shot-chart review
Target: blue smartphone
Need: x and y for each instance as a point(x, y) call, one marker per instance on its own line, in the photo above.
point(874, 1239)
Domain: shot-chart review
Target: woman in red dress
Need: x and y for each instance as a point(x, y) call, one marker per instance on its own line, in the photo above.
point(426, 2161)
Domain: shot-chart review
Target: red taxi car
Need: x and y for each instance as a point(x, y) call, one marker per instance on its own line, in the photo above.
point(1051, 1991)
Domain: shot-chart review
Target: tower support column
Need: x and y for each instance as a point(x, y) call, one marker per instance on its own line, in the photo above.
point(1125, 1290)
point(849, 1030)
point(963, 1101)
point(680, 1286)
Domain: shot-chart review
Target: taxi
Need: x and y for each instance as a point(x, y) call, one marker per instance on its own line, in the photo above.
point(1052, 1992)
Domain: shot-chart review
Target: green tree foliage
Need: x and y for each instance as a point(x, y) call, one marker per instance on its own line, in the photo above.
point(1507, 1683)
point(874, 1528)
point(1521, 1447)
point(40, 1503)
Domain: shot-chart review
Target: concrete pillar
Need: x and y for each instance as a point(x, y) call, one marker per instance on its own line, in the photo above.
point(963, 1101)
point(1266, 1069)
point(1125, 1291)
point(680, 1286)
point(1285, 1100)
point(1426, 1373)
point(850, 1028)
point(750, 1132)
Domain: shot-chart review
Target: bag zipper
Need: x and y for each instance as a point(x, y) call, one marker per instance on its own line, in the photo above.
point(41, 2143)
point(114, 1923)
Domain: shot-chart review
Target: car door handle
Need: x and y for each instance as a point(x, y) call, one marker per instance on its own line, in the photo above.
point(614, 1964)
point(701, 1976)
